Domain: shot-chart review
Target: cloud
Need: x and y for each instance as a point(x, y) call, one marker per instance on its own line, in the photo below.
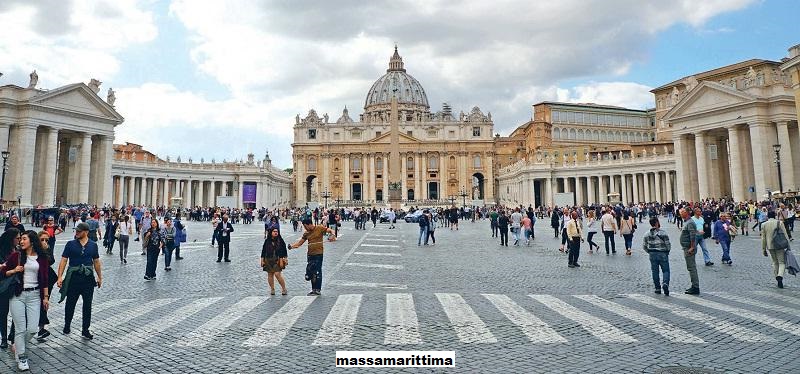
point(70, 41)
point(326, 54)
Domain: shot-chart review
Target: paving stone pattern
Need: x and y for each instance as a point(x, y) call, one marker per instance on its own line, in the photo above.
point(501, 309)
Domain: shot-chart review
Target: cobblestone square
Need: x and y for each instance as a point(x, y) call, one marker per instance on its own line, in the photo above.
point(501, 309)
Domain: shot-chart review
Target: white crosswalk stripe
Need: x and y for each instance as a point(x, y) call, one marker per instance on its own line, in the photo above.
point(369, 285)
point(784, 298)
point(726, 327)
point(339, 325)
point(593, 325)
point(201, 336)
point(757, 303)
point(381, 245)
point(383, 240)
point(173, 318)
point(777, 323)
point(468, 326)
point(658, 326)
point(275, 328)
point(402, 326)
point(377, 254)
point(533, 327)
point(376, 266)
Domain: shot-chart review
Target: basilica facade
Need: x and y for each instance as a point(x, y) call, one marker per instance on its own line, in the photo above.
point(444, 156)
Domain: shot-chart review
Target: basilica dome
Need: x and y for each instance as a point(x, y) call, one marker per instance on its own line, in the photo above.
point(396, 82)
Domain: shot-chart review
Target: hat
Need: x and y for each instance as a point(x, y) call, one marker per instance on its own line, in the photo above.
point(83, 226)
point(307, 221)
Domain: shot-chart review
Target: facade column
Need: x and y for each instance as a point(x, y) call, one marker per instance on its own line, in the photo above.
point(647, 196)
point(636, 196)
point(424, 175)
point(670, 195)
point(681, 170)
point(346, 186)
point(567, 185)
point(48, 172)
point(240, 194)
point(658, 194)
point(612, 181)
point(201, 192)
point(547, 192)
point(131, 187)
point(19, 182)
point(372, 192)
point(154, 192)
point(590, 192)
point(735, 164)
point(85, 162)
point(213, 193)
point(787, 164)
point(702, 164)
point(418, 193)
point(762, 158)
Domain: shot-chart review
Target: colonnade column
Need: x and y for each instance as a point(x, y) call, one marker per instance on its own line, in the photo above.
point(547, 192)
point(761, 157)
point(658, 194)
point(612, 181)
point(682, 193)
point(735, 164)
point(131, 185)
point(602, 191)
point(670, 195)
point(702, 164)
point(787, 164)
point(636, 199)
point(48, 172)
point(201, 192)
point(624, 195)
point(212, 194)
point(578, 192)
point(590, 192)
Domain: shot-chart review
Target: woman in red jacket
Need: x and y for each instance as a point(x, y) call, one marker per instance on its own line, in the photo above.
point(30, 266)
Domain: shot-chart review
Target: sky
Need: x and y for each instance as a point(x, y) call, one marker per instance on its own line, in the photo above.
point(212, 79)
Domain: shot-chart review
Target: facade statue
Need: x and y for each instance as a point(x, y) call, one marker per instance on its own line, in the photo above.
point(644, 152)
point(179, 159)
point(750, 78)
point(133, 156)
point(94, 85)
point(675, 96)
point(655, 153)
point(167, 158)
point(690, 82)
point(111, 97)
point(202, 160)
point(34, 79)
point(297, 119)
point(325, 117)
point(620, 155)
point(666, 150)
point(190, 160)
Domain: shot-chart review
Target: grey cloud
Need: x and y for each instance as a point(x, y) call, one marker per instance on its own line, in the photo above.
point(52, 16)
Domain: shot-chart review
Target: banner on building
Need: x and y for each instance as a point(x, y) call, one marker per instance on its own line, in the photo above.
point(249, 193)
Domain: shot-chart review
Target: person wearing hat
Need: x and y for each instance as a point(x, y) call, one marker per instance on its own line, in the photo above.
point(315, 235)
point(82, 256)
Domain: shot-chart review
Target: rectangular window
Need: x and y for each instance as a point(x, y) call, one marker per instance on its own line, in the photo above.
point(336, 136)
point(451, 134)
point(556, 116)
point(356, 135)
point(377, 134)
point(410, 133)
point(431, 133)
point(356, 164)
point(312, 134)
point(476, 131)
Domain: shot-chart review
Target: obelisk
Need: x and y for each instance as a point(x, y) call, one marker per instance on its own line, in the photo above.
point(395, 166)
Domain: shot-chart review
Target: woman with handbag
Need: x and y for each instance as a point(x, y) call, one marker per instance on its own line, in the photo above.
point(627, 226)
point(123, 235)
point(723, 228)
point(154, 242)
point(29, 266)
point(169, 243)
point(9, 241)
point(274, 259)
point(44, 238)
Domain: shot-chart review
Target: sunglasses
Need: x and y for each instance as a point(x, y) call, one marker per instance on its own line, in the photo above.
point(43, 240)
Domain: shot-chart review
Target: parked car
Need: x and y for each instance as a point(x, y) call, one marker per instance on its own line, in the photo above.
point(384, 217)
point(414, 217)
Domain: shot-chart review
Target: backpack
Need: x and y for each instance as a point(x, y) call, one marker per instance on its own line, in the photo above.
point(423, 221)
point(779, 240)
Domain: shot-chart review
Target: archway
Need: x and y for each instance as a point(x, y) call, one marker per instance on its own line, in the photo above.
point(478, 186)
point(311, 191)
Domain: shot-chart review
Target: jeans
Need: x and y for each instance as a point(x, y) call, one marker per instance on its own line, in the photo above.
point(660, 260)
point(504, 236)
point(609, 236)
point(80, 286)
point(574, 245)
point(168, 254)
point(124, 240)
point(702, 244)
point(515, 233)
point(691, 266)
point(316, 274)
point(726, 249)
point(25, 314)
point(628, 240)
point(493, 226)
point(423, 234)
point(430, 235)
point(152, 262)
point(4, 309)
point(214, 235)
point(590, 241)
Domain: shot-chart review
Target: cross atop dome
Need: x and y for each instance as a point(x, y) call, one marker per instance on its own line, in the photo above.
point(396, 62)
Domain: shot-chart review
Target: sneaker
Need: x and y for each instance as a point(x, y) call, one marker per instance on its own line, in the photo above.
point(43, 333)
point(66, 330)
point(576, 265)
point(658, 291)
point(312, 293)
point(780, 281)
point(87, 335)
point(179, 258)
point(709, 263)
point(226, 260)
point(570, 266)
point(22, 364)
point(147, 278)
point(125, 261)
point(219, 260)
point(692, 291)
point(666, 289)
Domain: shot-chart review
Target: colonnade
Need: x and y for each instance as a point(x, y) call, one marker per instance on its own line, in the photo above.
point(48, 166)
point(738, 161)
point(624, 187)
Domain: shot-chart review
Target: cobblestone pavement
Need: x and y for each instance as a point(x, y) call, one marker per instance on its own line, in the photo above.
point(501, 309)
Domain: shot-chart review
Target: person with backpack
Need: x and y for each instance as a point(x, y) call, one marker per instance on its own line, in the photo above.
point(656, 244)
point(180, 235)
point(424, 225)
point(775, 240)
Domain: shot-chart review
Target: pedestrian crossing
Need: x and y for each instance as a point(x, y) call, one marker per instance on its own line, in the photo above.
point(412, 319)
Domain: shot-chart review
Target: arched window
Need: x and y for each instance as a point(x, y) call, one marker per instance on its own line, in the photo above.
point(356, 163)
point(336, 164)
point(476, 161)
point(312, 164)
point(433, 162)
point(379, 164)
point(572, 133)
point(410, 163)
point(564, 134)
point(452, 163)
point(556, 133)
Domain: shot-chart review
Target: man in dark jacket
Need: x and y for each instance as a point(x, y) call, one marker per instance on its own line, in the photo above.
point(502, 225)
point(224, 230)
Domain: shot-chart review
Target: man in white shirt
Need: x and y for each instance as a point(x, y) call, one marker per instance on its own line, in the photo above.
point(609, 227)
point(516, 220)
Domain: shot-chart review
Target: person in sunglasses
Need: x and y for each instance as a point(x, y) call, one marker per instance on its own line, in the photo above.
point(82, 256)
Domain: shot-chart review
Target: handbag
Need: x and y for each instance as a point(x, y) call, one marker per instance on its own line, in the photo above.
point(779, 240)
point(117, 233)
point(8, 285)
point(282, 262)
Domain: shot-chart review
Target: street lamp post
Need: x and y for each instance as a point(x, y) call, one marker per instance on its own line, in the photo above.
point(326, 194)
point(777, 148)
point(338, 200)
point(463, 195)
point(452, 200)
point(5, 155)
